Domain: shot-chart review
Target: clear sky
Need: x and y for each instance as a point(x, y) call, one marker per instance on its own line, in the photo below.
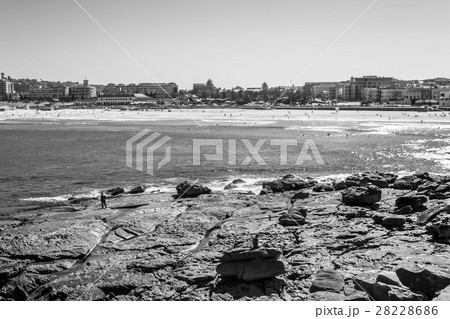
point(233, 42)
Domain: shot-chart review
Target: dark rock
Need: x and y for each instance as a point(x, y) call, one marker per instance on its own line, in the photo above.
point(249, 265)
point(327, 280)
point(115, 191)
point(423, 280)
point(361, 196)
point(137, 190)
point(291, 219)
point(439, 227)
point(393, 220)
point(375, 180)
point(323, 188)
point(299, 195)
point(389, 177)
point(292, 184)
point(415, 201)
point(381, 291)
point(188, 189)
point(407, 182)
point(405, 210)
point(340, 186)
point(275, 186)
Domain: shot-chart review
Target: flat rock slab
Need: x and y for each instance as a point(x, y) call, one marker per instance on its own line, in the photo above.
point(328, 280)
point(52, 240)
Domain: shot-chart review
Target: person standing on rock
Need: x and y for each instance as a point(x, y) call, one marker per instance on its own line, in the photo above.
point(103, 200)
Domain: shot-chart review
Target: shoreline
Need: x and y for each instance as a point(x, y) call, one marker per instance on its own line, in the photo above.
point(352, 230)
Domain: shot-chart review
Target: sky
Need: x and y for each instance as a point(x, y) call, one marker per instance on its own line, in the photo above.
point(233, 42)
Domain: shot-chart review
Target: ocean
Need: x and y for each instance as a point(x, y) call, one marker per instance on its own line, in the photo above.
point(52, 160)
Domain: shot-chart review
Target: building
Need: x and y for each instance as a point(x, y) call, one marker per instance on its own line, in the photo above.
point(444, 99)
point(83, 92)
point(371, 82)
point(411, 95)
point(110, 100)
point(41, 93)
point(111, 89)
point(158, 89)
point(391, 95)
point(370, 95)
point(325, 90)
point(442, 96)
point(6, 88)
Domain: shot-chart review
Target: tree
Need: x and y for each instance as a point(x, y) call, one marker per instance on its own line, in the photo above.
point(210, 84)
point(265, 89)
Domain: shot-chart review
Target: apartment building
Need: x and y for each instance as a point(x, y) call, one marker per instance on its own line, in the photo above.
point(83, 92)
point(6, 87)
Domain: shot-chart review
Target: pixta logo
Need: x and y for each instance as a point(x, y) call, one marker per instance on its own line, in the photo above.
point(144, 144)
point(141, 148)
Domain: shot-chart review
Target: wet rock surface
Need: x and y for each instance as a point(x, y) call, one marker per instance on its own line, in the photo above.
point(229, 246)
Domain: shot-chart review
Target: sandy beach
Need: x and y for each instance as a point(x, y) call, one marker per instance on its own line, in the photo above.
point(236, 117)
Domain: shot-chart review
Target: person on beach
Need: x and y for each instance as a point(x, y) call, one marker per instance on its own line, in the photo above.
point(103, 200)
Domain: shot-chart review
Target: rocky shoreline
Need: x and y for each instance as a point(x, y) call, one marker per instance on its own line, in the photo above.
point(372, 236)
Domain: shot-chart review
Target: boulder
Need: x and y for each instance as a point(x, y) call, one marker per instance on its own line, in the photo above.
point(393, 220)
point(250, 265)
point(293, 184)
point(407, 182)
point(323, 187)
point(376, 180)
point(423, 280)
point(188, 189)
point(115, 191)
point(328, 280)
point(415, 201)
point(299, 195)
point(383, 288)
point(340, 185)
point(291, 219)
point(427, 216)
point(361, 196)
point(137, 190)
point(440, 226)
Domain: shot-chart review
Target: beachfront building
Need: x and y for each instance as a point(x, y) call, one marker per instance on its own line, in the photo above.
point(110, 100)
point(158, 89)
point(346, 91)
point(411, 95)
point(371, 82)
point(391, 95)
point(111, 89)
point(370, 95)
point(45, 93)
point(6, 88)
point(442, 96)
point(84, 92)
point(444, 100)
